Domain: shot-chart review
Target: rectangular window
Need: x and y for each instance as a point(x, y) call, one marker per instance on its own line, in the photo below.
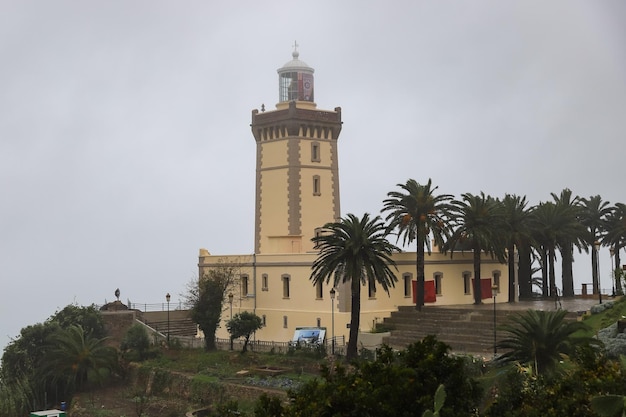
point(264, 282)
point(286, 286)
point(285, 322)
point(264, 320)
point(496, 281)
point(371, 289)
point(316, 185)
point(438, 276)
point(315, 152)
point(319, 322)
point(467, 283)
point(319, 290)
point(408, 284)
point(244, 285)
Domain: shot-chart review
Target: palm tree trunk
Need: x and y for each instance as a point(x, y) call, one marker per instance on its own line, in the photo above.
point(355, 316)
point(594, 269)
point(544, 271)
point(419, 303)
point(511, 259)
point(478, 296)
point(551, 274)
point(618, 266)
point(525, 272)
point(567, 276)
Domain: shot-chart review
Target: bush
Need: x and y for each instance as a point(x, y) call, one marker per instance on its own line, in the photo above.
point(135, 340)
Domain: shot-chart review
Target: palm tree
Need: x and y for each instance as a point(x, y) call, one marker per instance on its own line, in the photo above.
point(575, 236)
point(357, 251)
point(615, 226)
point(478, 223)
point(516, 233)
point(541, 339)
point(75, 357)
point(416, 212)
point(593, 215)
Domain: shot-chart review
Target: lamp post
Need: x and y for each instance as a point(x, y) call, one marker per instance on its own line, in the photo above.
point(332, 309)
point(613, 276)
point(494, 290)
point(167, 298)
point(230, 301)
point(596, 246)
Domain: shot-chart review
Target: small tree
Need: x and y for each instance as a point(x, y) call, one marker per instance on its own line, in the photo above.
point(136, 340)
point(243, 325)
point(205, 298)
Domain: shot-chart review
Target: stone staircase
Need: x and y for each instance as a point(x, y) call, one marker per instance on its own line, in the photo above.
point(466, 330)
point(180, 324)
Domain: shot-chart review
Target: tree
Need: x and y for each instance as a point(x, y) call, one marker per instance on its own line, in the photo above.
point(89, 318)
point(516, 233)
point(75, 358)
point(355, 251)
point(416, 213)
point(243, 325)
point(615, 226)
point(593, 215)
point(478, 223)
point(136, 339)
point(541, 339)
point(206, 296)
point(572, 234)
point(393, 384)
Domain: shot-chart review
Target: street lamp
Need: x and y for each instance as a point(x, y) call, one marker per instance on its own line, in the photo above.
point(494, 290)
point(332, 309)
point(167, 298)
point(613, 275)
point(596, 246)
point(230, 301)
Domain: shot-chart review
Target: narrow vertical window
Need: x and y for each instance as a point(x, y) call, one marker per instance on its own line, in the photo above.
point(244, 285)
point(496, 281)
point(286, 279)
point(467, 283)
point(285, 322)
point(264, 282)
point(264, 318)
point(437, 277)
point(371, 289)
point(408, 284)
point(319, 322)
point(315, 152)
point(316, 185)
point(319, 290)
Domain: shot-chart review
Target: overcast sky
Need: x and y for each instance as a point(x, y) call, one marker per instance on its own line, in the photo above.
point(125, 143)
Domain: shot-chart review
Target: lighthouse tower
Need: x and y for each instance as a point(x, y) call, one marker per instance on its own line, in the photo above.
point(297, 171)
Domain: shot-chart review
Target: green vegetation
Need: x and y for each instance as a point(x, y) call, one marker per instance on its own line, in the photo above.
point(417, 213)
point(243, 325)
point(357, 251)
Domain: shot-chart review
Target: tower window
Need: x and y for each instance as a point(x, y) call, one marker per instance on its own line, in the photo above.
point(286, 279)
point(285, 322)
point(264, 318)
point(316, 185)
point(244, 285)
point(264, 282)
point(315, 152)
point(467, 283)
point(408, 284)
point(319, 322)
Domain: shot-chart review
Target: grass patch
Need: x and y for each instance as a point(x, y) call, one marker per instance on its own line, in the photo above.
point(607, 317)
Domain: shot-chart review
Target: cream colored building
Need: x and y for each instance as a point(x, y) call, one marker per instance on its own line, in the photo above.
point(297, 192)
